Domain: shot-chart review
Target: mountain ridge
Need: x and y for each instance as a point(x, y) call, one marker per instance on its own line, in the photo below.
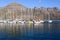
point(18, 11)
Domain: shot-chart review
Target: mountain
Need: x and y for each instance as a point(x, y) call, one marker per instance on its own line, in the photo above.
point(47, 13)
point(18, 11)
point(12, 11)
point(15, 5)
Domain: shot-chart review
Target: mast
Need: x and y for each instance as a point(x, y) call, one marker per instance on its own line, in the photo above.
point(21, 13)
point(48, 16)
point(13, 14)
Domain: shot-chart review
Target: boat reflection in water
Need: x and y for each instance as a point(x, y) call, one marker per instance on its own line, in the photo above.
point(29, 31)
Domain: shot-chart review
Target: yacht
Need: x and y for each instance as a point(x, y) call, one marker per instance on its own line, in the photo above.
point(10, 21)
point(20, 21)
point(3, 21)
point(41, 21)
point(50, 21)
point(38, 22)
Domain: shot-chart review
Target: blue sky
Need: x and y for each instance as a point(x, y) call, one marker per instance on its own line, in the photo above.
point(33, 3)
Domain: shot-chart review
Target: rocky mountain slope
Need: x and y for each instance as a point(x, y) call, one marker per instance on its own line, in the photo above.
point(18, 11)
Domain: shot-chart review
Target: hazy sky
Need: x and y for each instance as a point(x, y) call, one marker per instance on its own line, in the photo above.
point(32, 3)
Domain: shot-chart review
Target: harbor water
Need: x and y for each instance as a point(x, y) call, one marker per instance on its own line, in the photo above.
point(29, 31)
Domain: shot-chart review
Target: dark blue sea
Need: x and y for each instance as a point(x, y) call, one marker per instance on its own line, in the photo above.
point(29, 31)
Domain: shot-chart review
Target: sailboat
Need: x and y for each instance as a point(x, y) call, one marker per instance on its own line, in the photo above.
point(50, 21)
point(21, 21)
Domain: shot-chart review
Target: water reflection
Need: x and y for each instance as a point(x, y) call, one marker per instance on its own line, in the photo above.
point(30, 32)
